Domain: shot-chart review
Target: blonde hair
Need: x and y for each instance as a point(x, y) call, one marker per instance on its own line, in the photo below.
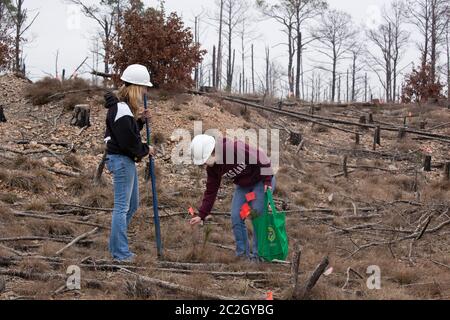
point(132, 95)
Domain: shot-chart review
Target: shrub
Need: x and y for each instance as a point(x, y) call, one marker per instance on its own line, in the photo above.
point(47, 89)
point(160, 42)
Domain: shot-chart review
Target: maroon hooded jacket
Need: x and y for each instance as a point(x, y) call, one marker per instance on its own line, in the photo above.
point(243, 164)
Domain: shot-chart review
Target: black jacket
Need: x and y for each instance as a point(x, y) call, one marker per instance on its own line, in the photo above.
point(123, 131)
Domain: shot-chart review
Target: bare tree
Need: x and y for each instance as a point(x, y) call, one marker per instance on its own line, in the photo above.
point(107, 14)
point(20, 19)
point(390, 39)
point(282, 13)
point(356, 52)
point(335, 33)
point(431, 19)
point(447, 38)
point(400, 39)
point(304, 10)
point(220, 47)
point(234, 13)
point(246, 34)
point(292, 15)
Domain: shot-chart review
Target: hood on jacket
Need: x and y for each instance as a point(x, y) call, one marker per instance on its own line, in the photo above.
point(110, 100)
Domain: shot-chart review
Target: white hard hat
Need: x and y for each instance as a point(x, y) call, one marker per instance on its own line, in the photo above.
point(137, 74)
point(202, 148)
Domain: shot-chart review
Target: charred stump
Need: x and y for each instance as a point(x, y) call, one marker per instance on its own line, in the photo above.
point(2, 115)
point(295, 138)
point(81, 116)
point(447, 171)
point(427, 163)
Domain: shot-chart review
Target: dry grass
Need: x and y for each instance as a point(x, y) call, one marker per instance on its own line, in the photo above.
point(79, 186)
point(26, 163)
point(50, 228)
point(33, 266)
point(37, 205)
point(6, 214)
point(9, 197)
point(73, 160)
point(72, 100)
point(159, 138)
point(37, 181)
point(98, 197)
point(138, 290)
point(41, 92)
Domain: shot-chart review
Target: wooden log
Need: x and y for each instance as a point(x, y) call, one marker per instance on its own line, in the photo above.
point(427, 163)
point(2, 115)
point(304, 292)
point(44, 217)
point(46, 143)
point(77, 239)
point(177, 287)
point(308, 117)
point(33, 238)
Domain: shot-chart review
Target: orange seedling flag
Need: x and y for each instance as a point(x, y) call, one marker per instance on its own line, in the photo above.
point(191, 211)
point(250, 197)
point(269, 296)
point(245, 211)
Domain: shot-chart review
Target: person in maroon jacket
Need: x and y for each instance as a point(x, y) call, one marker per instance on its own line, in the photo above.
point(250, 170)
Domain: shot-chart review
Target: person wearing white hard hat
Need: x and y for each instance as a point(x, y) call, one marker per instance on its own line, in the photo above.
point(250, 170)
point(125, 120)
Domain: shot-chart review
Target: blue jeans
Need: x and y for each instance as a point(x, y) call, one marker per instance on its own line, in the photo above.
point(239, 227)
point(126, 203)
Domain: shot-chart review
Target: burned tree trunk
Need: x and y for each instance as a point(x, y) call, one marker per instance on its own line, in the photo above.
point(303, 292)
point(295, 138)
point(81, 116)
point(427, 163)
point(2, 115)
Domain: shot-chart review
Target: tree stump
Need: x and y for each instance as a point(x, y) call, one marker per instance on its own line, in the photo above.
point(447, 171)
point(295, 139)
point(401, 133)
point(344, 166)
point(423, 124)
point(357, 139)
point(363, 120)
point(427, 163)
point(2, 115)
point(371, 118)
point(81, 116)
point(377, 138)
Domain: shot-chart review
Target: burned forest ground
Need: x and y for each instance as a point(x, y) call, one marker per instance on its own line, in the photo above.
point(382, 209)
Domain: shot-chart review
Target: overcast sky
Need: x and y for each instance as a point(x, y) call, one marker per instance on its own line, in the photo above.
point(60, 26)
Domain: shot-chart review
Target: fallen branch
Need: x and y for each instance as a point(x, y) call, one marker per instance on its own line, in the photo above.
point(73, 205)
point(224, 273)
point(64, 240)
point(77, 239)
point(36, 216)
point(305, 290)
point(173, 286)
